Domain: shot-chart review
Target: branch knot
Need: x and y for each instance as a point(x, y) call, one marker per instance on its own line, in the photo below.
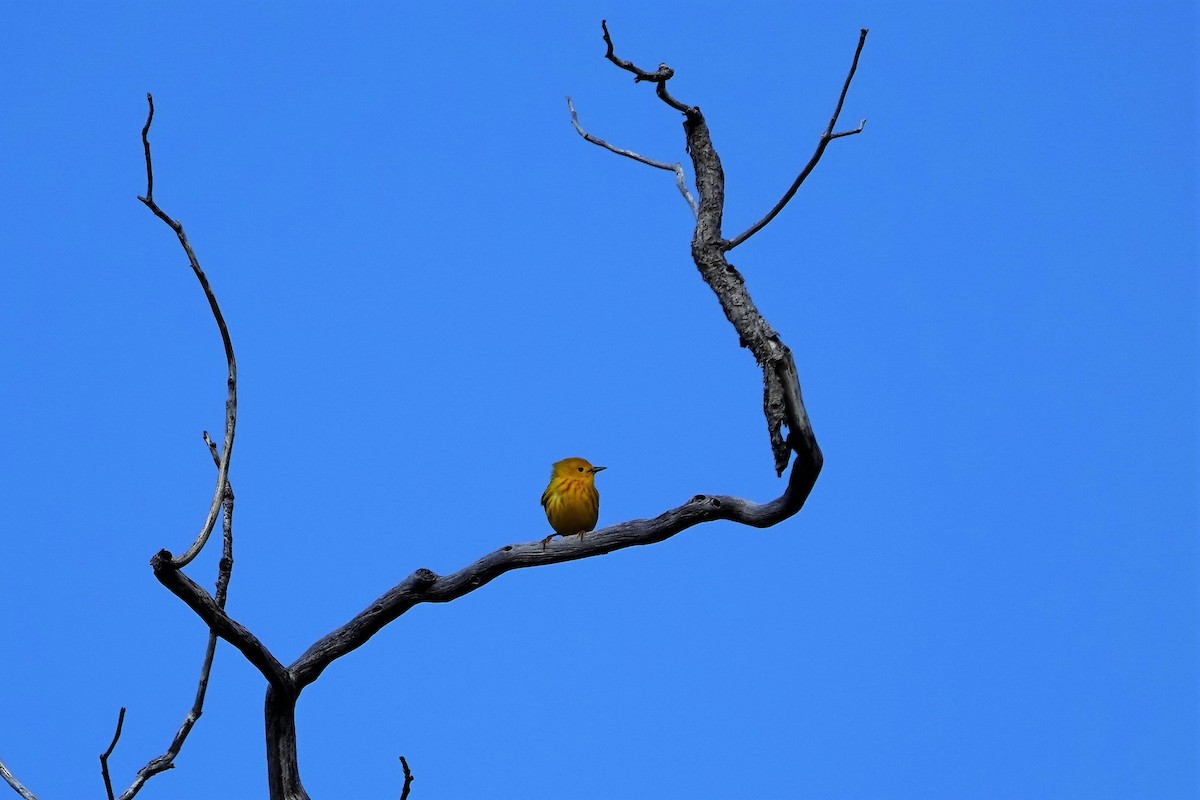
point(424, 578)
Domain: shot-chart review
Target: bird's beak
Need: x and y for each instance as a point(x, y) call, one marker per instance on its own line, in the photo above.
point(597, 469)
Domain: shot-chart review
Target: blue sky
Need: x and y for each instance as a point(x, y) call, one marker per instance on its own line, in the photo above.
point(436, 289)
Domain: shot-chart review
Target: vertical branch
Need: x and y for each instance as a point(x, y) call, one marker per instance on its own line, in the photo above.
point(210, 520)
point(104, 756)
point(783, 404)
point(408, 778)
point(283, 768)
point(224, 572)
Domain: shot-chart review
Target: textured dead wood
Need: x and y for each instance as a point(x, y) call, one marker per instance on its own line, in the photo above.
point(425, 586)
point(783, 404)
point(783, 407)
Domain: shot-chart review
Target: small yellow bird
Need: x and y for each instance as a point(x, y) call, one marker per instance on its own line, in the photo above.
point(571, 501)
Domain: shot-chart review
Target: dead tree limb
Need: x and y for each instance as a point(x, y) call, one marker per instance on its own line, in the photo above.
point(104, 756)
point(224, 572)
point(826, 137)
point(222, 504)
point(16, 785)
point(783, 404)
point(677, 168)
point(223, 500)
point(783, 407)
point(408, 778)
point(210, 520)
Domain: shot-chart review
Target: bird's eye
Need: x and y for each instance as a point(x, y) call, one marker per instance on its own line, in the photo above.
point(580, 469)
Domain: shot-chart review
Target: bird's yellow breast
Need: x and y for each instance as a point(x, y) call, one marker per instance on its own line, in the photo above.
point(572, 505)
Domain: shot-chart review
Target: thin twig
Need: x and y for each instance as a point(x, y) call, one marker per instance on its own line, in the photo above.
point(224, 571)
point(677, 168)
point(104, 756)
point(660, 76)
point(210, 520)
point(16, 785)
point(408, 779)
point(826, 137)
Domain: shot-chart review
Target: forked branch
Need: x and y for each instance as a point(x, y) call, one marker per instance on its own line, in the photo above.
point(783, 407)
point(826, 137)
point(783, 404)
point(659, 76)
point(104, 756)
point(224, 571)
point(223, 496)
point(219, 622)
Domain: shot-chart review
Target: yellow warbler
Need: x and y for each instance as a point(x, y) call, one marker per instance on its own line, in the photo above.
point(571, 501)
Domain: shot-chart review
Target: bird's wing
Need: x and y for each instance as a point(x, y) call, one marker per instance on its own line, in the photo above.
point(545, 497)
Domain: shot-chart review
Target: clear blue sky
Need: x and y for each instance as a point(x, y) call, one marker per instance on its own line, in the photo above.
point(436, 289)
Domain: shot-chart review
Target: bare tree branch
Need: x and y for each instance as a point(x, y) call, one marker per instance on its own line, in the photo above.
point(664, 72)
point(425, 586)
point(104, 756)
point(217, 620)
point(677, 168)
point(783, 405)
point(224, 571)
point(16, 785)
point(408, 779)
point(223, 497)
point(826, 137)
point(210, 520)
point(660, 77)
point(282, 771)
point(782, 400)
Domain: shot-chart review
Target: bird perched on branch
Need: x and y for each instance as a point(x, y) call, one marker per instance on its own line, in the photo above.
point(571, 501)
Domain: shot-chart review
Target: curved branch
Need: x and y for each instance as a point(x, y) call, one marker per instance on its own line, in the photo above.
point(210, 520)
point(424, 586)
point(660, 76)
point(16, 785)
point(677, 168)
point(104, 756)
point(826, 137)
point(782, 400)
point(218, 621)
point(663, 73)
point(665, 96)
point(224, 572)
point(783, 405)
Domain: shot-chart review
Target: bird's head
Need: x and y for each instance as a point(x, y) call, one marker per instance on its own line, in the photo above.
point(577, 468)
